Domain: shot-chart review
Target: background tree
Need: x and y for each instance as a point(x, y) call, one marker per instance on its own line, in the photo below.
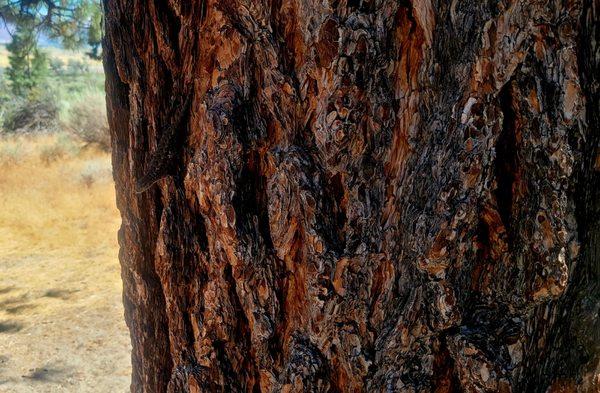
point(28, 65)
point(74, 22)
point(94, 37)
point(362, 196)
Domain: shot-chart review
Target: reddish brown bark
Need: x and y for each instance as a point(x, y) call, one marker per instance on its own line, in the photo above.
point(364, 196)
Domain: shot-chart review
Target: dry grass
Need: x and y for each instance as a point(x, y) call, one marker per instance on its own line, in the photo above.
point(61, 324)
point(57, 53)
point(45, 209)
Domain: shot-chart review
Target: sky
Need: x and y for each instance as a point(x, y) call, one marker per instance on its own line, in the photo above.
point(5, 38)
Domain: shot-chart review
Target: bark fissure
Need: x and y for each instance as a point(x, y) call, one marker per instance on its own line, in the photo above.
point(506, 159)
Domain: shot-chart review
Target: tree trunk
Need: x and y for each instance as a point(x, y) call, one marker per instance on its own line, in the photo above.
point(358, 195)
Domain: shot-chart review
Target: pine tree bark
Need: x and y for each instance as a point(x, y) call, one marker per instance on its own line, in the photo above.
point(364, 195)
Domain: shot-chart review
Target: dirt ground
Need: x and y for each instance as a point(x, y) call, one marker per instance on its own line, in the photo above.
point(61, 315)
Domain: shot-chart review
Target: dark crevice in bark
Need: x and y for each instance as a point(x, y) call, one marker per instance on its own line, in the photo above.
point(505, 163)
point(196, 233)
point(251, 202)
point(156, 346)
point(444, 373)
point(242, 335)
point(406, 6)
point(336, 190)
point(262, 201)
point(276, 342)
point(203, 10)
point(479, 271)
point(117, 103)
point(189, 332)
point(158, 207)
point(170, 24)
point(225, 365)
point(201, 233)
point(142, 144)
point(483, 249)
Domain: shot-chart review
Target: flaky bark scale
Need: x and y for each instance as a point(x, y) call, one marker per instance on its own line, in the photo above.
point(364, 196)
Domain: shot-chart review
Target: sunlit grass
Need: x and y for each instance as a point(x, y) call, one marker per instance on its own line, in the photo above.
point(55, 197)
point(60, 287)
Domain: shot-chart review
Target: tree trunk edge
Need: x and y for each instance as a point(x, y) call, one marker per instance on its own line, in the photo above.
point(205, 317)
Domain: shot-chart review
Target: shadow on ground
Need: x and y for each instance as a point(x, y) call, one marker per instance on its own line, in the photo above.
point(45, 374)
point(10, 327)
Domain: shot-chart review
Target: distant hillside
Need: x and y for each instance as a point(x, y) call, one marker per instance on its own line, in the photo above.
point(57, 53)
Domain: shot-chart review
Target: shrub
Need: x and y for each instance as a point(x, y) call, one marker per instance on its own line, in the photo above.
point(5, 98)
point(32, 114)
point(86, 119)
point(95, 171)
point(10, 154)
point(60, 146)
point(51, 153)
point(77, 67)
point(57, 65)
point(5, 93)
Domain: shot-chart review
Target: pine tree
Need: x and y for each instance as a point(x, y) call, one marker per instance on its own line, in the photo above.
point(74, 22)
point(28, 65)
point(95, 32)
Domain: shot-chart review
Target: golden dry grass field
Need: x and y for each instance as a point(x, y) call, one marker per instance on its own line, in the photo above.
point(61, 315)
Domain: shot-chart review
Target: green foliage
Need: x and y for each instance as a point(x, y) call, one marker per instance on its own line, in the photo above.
point(77, 67)
point(57, 65)
point(32, 98)
point(5, 93)
point(37, 96)
point(67, 102)
point(28, 64)
point(95, 33)
point(75, 22)
point(39, 68)
point(11, 154)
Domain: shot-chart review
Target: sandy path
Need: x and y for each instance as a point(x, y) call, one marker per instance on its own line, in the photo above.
point(61, 336)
